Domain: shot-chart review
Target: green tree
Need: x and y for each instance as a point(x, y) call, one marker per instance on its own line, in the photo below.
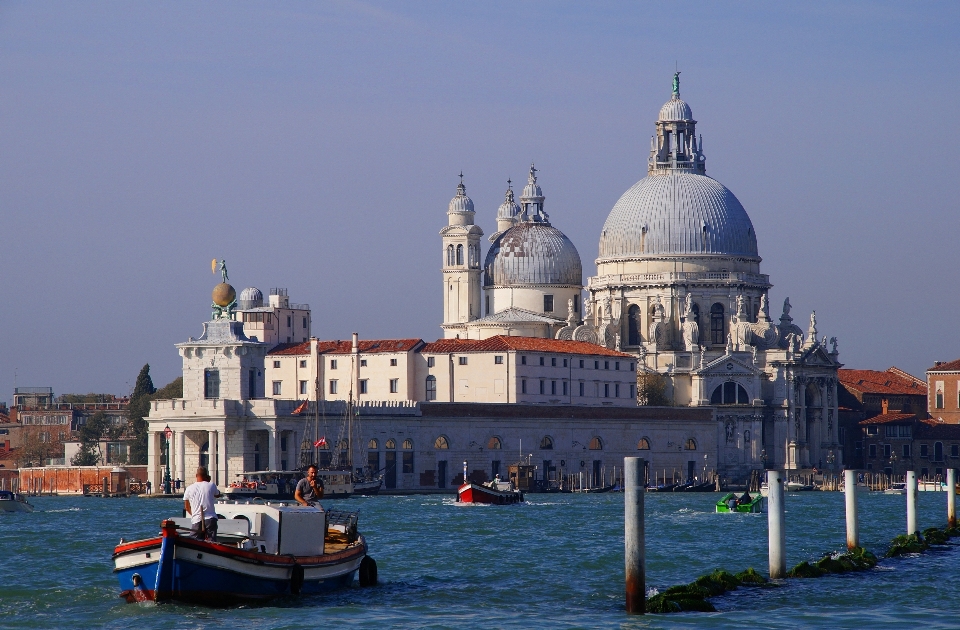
point(96, 428)
point(652, 390)
point(173, 389)
point(137, 412)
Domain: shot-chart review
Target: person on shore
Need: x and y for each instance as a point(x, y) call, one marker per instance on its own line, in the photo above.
point(310, 488)
point(199, 502)
point(148, 487)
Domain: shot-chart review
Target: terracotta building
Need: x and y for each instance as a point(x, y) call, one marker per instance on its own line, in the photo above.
point(943, 382)
point(897, 442)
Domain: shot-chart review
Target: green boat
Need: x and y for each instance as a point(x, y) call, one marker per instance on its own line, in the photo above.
point(730, 503)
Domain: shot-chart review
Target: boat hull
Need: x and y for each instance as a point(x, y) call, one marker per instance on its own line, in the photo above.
point(476, 493)
point(177, 568)
point(367, 488)
point(755, 506)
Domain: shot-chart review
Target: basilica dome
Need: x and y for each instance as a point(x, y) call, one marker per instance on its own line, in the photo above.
point(532, 253)
point(677, 213)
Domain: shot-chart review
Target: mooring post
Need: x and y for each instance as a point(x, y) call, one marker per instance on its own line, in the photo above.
point(633, 551)
point(850, 494)
point(951, 497)
point(775, 525)
point(911, 502)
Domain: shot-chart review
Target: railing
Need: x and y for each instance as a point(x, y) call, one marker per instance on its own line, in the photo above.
point(680, 276)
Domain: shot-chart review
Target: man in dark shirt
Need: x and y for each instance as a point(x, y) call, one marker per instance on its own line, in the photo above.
point(310, 488)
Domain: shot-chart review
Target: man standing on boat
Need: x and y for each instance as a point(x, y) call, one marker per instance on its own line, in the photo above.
point(199, 502)
point(310, 488)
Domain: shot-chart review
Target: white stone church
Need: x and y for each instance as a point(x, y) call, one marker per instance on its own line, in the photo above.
point(678, 293)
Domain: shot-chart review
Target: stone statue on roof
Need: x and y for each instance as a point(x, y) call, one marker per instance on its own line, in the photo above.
point(676, 84)
point(223, 270)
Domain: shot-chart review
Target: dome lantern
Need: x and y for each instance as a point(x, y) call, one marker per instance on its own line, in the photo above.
point(674, 147)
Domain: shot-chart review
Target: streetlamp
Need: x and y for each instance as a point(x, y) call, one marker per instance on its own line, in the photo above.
point(167, 434)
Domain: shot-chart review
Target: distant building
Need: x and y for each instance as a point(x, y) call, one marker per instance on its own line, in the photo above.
point(943, 383)
point(279, 321)
point(894, 443)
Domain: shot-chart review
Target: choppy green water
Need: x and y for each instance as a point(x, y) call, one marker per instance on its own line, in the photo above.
point(554, 562)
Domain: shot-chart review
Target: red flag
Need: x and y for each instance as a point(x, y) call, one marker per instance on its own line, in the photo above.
point(301, 408)
point(321, 442)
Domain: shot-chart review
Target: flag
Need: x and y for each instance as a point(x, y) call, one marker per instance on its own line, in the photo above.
point(300, 408)
point(321, 442)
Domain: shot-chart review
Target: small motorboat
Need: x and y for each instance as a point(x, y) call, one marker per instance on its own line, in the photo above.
point(262, 551)
point(273, 485)
point(731, 503)
point(494, 492)
point(896, 488)
point(797, 486)
point(13, 502)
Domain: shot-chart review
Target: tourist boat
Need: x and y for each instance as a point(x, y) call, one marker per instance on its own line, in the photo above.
point(730, 503)
point(281, 484)
point(13, 502)
point(896, 488)
point(494, 492)
point(263, 551)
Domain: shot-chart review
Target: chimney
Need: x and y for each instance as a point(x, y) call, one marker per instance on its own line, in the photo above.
point(885, 404)
point(937, 363)
point(356, 343)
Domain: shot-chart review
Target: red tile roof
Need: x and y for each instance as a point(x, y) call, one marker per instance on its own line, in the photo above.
point(367, 346)
point(886, 382)
point(888, 418)
point(949, 366)
point(503, 343)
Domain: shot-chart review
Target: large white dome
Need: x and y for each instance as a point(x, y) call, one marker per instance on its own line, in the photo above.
point(677, 213)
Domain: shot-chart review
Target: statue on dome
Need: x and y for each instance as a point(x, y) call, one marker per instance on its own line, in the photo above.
point(676, 84)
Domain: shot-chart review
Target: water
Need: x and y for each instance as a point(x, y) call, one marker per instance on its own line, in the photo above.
point(554, 562)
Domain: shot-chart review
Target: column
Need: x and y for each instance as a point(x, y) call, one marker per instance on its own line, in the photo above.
point(214, 455)
point(181, 459)
point(153, 457)
point(274, 448)
point(222, 457)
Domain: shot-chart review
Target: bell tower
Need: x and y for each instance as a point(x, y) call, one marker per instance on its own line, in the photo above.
point(461, 265)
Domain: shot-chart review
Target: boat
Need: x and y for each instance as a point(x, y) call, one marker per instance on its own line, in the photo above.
point(730, 503)
point(281, 484)
point(494, 492)
point(13, 502)
point(263, 551)
point(366, 487)
point(932, 486)
point(896, 488)
point(797, 486)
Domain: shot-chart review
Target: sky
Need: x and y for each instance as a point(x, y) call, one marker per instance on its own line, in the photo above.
point(315, 146)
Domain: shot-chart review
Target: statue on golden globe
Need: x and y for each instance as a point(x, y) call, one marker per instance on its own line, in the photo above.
point(224, 295)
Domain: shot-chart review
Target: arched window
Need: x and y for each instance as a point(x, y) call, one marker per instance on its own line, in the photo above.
point(373, 445)
point(546, 443)
point(431, 387)
point(450, 258)
point(391, 443)
point(459, 254)
point(596, 444)
point(691, 445)
point(643, 444)
point(729, 393)
point(633, 325)
point(441, 442)
point(408, 444)
point(494, 444)
point(472, 256)
point(718, 333)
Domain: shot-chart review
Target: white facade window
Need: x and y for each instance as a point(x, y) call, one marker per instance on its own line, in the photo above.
point(394, 385)
point(523, 386)
point(548, 304)
point(333, 386)
point(303, 387)
point(553, 361)
point(363, 363)
point(581, 386)
point(333, 364)
point(304, 323)
point(463, 360)
point(363, 386)
point(303, 363)
point(277, 387)
point(430, 362)
point(498, 359)
point(276, 364)
point(393, 362)
point(616, 390)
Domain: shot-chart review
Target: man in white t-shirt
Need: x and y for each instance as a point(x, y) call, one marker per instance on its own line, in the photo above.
point(199, 502)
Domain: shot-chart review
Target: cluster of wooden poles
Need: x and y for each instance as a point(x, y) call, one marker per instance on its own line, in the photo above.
point(635, 562)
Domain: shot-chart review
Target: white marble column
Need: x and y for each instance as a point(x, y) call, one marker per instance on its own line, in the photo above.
point(153, 459)
point(273, 443)
point(214, 456)
point(181, 459)
point(222, 457)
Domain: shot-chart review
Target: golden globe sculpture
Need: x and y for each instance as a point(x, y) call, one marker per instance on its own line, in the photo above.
point(223, 295)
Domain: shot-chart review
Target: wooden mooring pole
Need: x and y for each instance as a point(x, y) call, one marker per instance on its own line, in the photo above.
point(633, 543)
point(952, 497)
point(911, 502)
point(775, 525)
point(850, 494)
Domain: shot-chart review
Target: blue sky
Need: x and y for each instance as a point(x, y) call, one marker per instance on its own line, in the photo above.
point(315, 147)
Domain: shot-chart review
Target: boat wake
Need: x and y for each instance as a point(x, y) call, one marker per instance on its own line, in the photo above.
point(73, 509)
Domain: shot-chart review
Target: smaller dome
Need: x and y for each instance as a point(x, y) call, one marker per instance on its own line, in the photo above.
point(675, 109)
point(460, 203)
point(251, 297)
point(509, 209)
point(532, 253)
point(223, 295)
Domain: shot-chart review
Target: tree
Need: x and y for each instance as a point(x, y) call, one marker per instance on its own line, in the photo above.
point(137, 412)
point(173, 389)
point(652, 390)
point(96, 428)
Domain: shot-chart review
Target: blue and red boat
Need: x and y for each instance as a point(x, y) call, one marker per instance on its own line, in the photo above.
point(263, 551)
